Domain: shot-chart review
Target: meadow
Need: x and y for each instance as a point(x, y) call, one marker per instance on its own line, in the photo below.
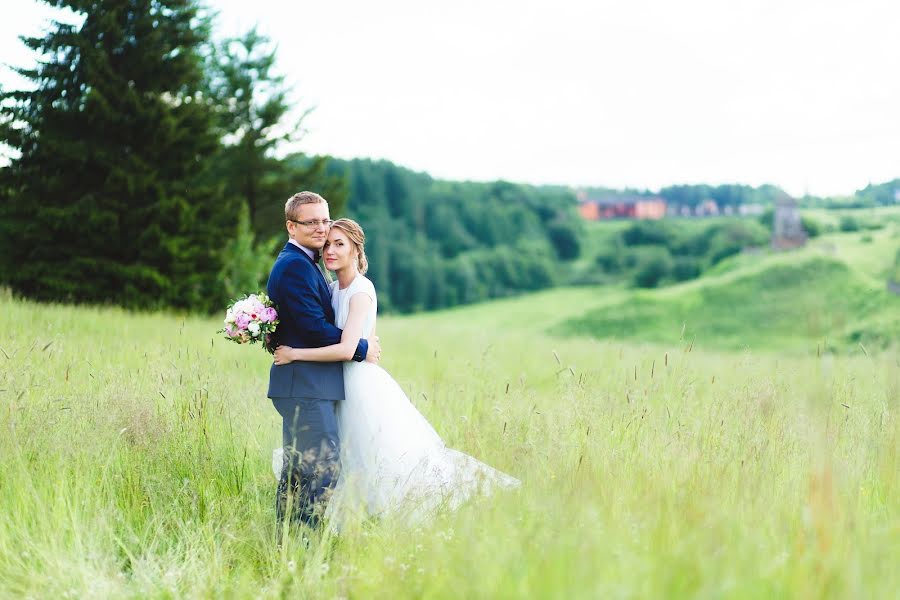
point(658, 462)
point(830, 294)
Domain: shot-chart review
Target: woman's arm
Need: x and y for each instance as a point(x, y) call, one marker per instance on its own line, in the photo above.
point(344, 350)
point(304, 303)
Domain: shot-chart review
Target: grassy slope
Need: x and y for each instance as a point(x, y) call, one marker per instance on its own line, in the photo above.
point(832, 292)
point(832, 217)
point(135, 462)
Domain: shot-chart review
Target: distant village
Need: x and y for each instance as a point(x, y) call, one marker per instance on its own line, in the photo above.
point(596, 206)
point(787, 229)
point(655, 207)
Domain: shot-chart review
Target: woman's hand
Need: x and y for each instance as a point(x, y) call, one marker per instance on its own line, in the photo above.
point(283, 355)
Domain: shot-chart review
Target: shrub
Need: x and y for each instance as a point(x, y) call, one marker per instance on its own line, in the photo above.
point(848, 223)
point(729, 239)
point(813, 228)
point(685, 267)
point(564, 239)
point(644, 233)
point(653, 264)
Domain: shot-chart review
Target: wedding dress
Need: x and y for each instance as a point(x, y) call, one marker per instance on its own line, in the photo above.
point(392, 459)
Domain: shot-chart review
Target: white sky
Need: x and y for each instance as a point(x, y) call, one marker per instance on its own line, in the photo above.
point(643, 93)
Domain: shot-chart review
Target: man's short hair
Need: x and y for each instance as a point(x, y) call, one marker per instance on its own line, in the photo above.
point(293, 203)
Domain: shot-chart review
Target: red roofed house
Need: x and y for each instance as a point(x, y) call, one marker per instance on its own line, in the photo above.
point(623, 207)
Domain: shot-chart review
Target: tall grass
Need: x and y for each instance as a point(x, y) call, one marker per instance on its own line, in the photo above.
point(833, 293)
point(135, 455)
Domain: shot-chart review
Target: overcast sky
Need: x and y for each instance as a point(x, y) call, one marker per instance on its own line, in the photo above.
point(643, 93)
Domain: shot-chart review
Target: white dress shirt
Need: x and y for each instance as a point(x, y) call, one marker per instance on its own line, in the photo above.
point(309, 252)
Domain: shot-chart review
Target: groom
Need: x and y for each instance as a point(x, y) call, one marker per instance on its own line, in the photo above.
point(305, 393)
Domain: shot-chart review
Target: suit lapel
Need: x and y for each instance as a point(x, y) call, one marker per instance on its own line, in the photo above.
point(309, 258)
point(324, 290)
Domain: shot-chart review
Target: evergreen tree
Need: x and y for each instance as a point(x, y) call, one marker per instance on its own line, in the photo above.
point(433, 244)
point(103, 200)
point(254, 120)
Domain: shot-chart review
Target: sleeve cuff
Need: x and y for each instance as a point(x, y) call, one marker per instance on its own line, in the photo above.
point(361, 350)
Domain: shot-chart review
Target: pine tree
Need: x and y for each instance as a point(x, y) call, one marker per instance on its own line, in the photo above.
point(103, 200)
point(254, 117)
point(251, 105)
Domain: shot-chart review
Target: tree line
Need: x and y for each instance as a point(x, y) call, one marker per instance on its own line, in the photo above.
point(435, 244)
point(734, 195)
point(692, 195)
point(144, 171)
point(136, 150)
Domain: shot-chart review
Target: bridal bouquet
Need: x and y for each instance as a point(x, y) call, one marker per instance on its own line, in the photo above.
point(251, 319)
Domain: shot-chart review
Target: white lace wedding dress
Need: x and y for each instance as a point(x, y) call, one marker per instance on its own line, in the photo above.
point(392, 460)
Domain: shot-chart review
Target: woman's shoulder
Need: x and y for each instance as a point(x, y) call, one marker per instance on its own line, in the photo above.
point(367, 283)
point(363, 284)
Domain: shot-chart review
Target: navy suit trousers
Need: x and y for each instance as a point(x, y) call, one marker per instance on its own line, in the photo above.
point(311, 453)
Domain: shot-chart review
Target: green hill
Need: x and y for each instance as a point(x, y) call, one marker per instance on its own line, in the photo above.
point(832, 293)
point(136, 451)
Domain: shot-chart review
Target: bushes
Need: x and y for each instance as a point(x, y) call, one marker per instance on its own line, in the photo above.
point(685, 267)
point(644, 233)
point(564, 237)
point(652, 253)
point(653, 264)
point(728, 239)
point(848, 223)
point(812, 227)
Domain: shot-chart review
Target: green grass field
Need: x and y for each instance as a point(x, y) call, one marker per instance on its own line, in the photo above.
point(135, 450)
point(830, 295)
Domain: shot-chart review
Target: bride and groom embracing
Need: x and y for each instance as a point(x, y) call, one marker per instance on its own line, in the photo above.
point(354, 445)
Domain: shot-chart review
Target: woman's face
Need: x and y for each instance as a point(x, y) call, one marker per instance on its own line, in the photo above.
point(339, 251)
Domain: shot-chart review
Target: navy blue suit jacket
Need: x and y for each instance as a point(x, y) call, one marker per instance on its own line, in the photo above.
point(306, 320)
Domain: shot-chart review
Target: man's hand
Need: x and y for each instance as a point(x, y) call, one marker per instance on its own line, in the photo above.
point(374, 353)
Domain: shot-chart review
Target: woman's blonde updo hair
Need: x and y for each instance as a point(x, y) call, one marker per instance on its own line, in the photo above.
point(358, 238)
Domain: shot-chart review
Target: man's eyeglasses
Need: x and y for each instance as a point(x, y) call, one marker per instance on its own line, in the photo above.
point(314, 224)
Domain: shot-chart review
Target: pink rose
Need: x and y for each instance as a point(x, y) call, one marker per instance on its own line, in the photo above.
point(271, 315)
point(242, 321)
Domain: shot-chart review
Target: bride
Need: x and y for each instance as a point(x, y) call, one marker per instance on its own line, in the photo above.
point(391, 457)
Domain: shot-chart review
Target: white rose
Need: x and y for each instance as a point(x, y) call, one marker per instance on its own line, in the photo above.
point(253, 327)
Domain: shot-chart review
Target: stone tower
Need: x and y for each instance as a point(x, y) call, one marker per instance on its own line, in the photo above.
point(787, 229)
